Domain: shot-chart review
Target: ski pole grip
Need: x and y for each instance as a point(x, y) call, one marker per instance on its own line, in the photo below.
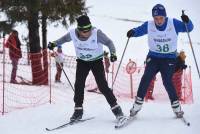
point(183, 12)
point(4, 34)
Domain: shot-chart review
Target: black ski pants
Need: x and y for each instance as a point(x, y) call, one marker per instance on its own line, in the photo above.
point(82, 71)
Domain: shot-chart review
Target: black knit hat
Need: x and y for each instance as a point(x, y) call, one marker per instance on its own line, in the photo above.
point(84, 23)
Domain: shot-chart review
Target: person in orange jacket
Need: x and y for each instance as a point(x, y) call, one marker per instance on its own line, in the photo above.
point(177, 76)
point(14, 45)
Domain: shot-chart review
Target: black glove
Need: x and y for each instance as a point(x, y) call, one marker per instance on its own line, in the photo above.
point(185, 18)
point(51, 45)
point(113, 57)
point(130, 33)
point(183, 66)
point(105, 54)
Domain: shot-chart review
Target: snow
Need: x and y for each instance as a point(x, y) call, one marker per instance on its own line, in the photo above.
point(155, 117)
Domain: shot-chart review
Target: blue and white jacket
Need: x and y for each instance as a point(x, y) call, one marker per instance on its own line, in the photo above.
point(178, 25)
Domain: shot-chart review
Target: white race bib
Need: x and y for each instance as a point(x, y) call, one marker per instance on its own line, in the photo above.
point(162, 41)
point(88, 50)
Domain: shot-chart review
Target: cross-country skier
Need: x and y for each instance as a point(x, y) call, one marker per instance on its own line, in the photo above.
point(162, 40)
point(88, 42)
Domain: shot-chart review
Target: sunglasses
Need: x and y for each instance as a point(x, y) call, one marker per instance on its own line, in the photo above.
point(84, 31)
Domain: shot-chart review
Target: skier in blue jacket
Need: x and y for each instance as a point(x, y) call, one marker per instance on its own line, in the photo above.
point(162, 40)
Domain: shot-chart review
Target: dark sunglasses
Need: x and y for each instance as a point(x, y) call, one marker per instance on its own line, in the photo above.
point(85, 31)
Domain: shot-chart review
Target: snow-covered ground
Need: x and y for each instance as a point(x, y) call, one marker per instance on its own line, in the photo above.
point(154, 118)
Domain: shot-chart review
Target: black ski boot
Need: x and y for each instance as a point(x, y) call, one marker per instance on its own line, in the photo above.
point(78, 113)
point(117, 112)
point(121, 119)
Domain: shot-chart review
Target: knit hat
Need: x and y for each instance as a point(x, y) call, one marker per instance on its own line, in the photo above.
point(159, 10)
point(84, 23)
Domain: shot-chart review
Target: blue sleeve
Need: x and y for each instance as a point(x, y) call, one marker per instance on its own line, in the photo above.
point(180, 26)
point(141, 30)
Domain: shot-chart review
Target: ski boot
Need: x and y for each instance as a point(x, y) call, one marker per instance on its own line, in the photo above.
point(78, 113)
point(121, 119)
point(117, 111)
point(136, 106)
point(177, 109)
point(13, 81)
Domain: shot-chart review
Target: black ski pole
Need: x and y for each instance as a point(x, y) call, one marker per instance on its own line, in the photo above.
point(190, 41)
point(64, 73)
point(185, 121)
point(120, 63)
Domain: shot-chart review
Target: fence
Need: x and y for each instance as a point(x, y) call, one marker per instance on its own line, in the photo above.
point(25, 93)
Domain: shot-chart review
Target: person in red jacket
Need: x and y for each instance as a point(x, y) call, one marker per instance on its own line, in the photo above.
point(13, 44)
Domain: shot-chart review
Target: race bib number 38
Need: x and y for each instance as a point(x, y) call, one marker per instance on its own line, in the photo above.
point(162, 49)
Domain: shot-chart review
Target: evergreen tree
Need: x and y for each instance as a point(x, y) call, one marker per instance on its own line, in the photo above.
point(31, 13)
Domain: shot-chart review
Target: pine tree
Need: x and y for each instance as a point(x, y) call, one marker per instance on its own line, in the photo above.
point(32, 12)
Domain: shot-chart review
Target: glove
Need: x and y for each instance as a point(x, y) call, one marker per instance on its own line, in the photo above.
point(185, 18)
point(184, 66)
point(113, 57)
point(105, 54)
point(130, 33)
point(51, 45)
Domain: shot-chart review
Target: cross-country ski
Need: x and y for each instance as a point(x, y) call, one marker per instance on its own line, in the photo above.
point(69, 123)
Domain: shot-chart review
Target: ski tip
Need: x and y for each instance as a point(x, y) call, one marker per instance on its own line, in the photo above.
point(188, 124)
point(119, 127)
point(47, 129)
point(116, 127)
